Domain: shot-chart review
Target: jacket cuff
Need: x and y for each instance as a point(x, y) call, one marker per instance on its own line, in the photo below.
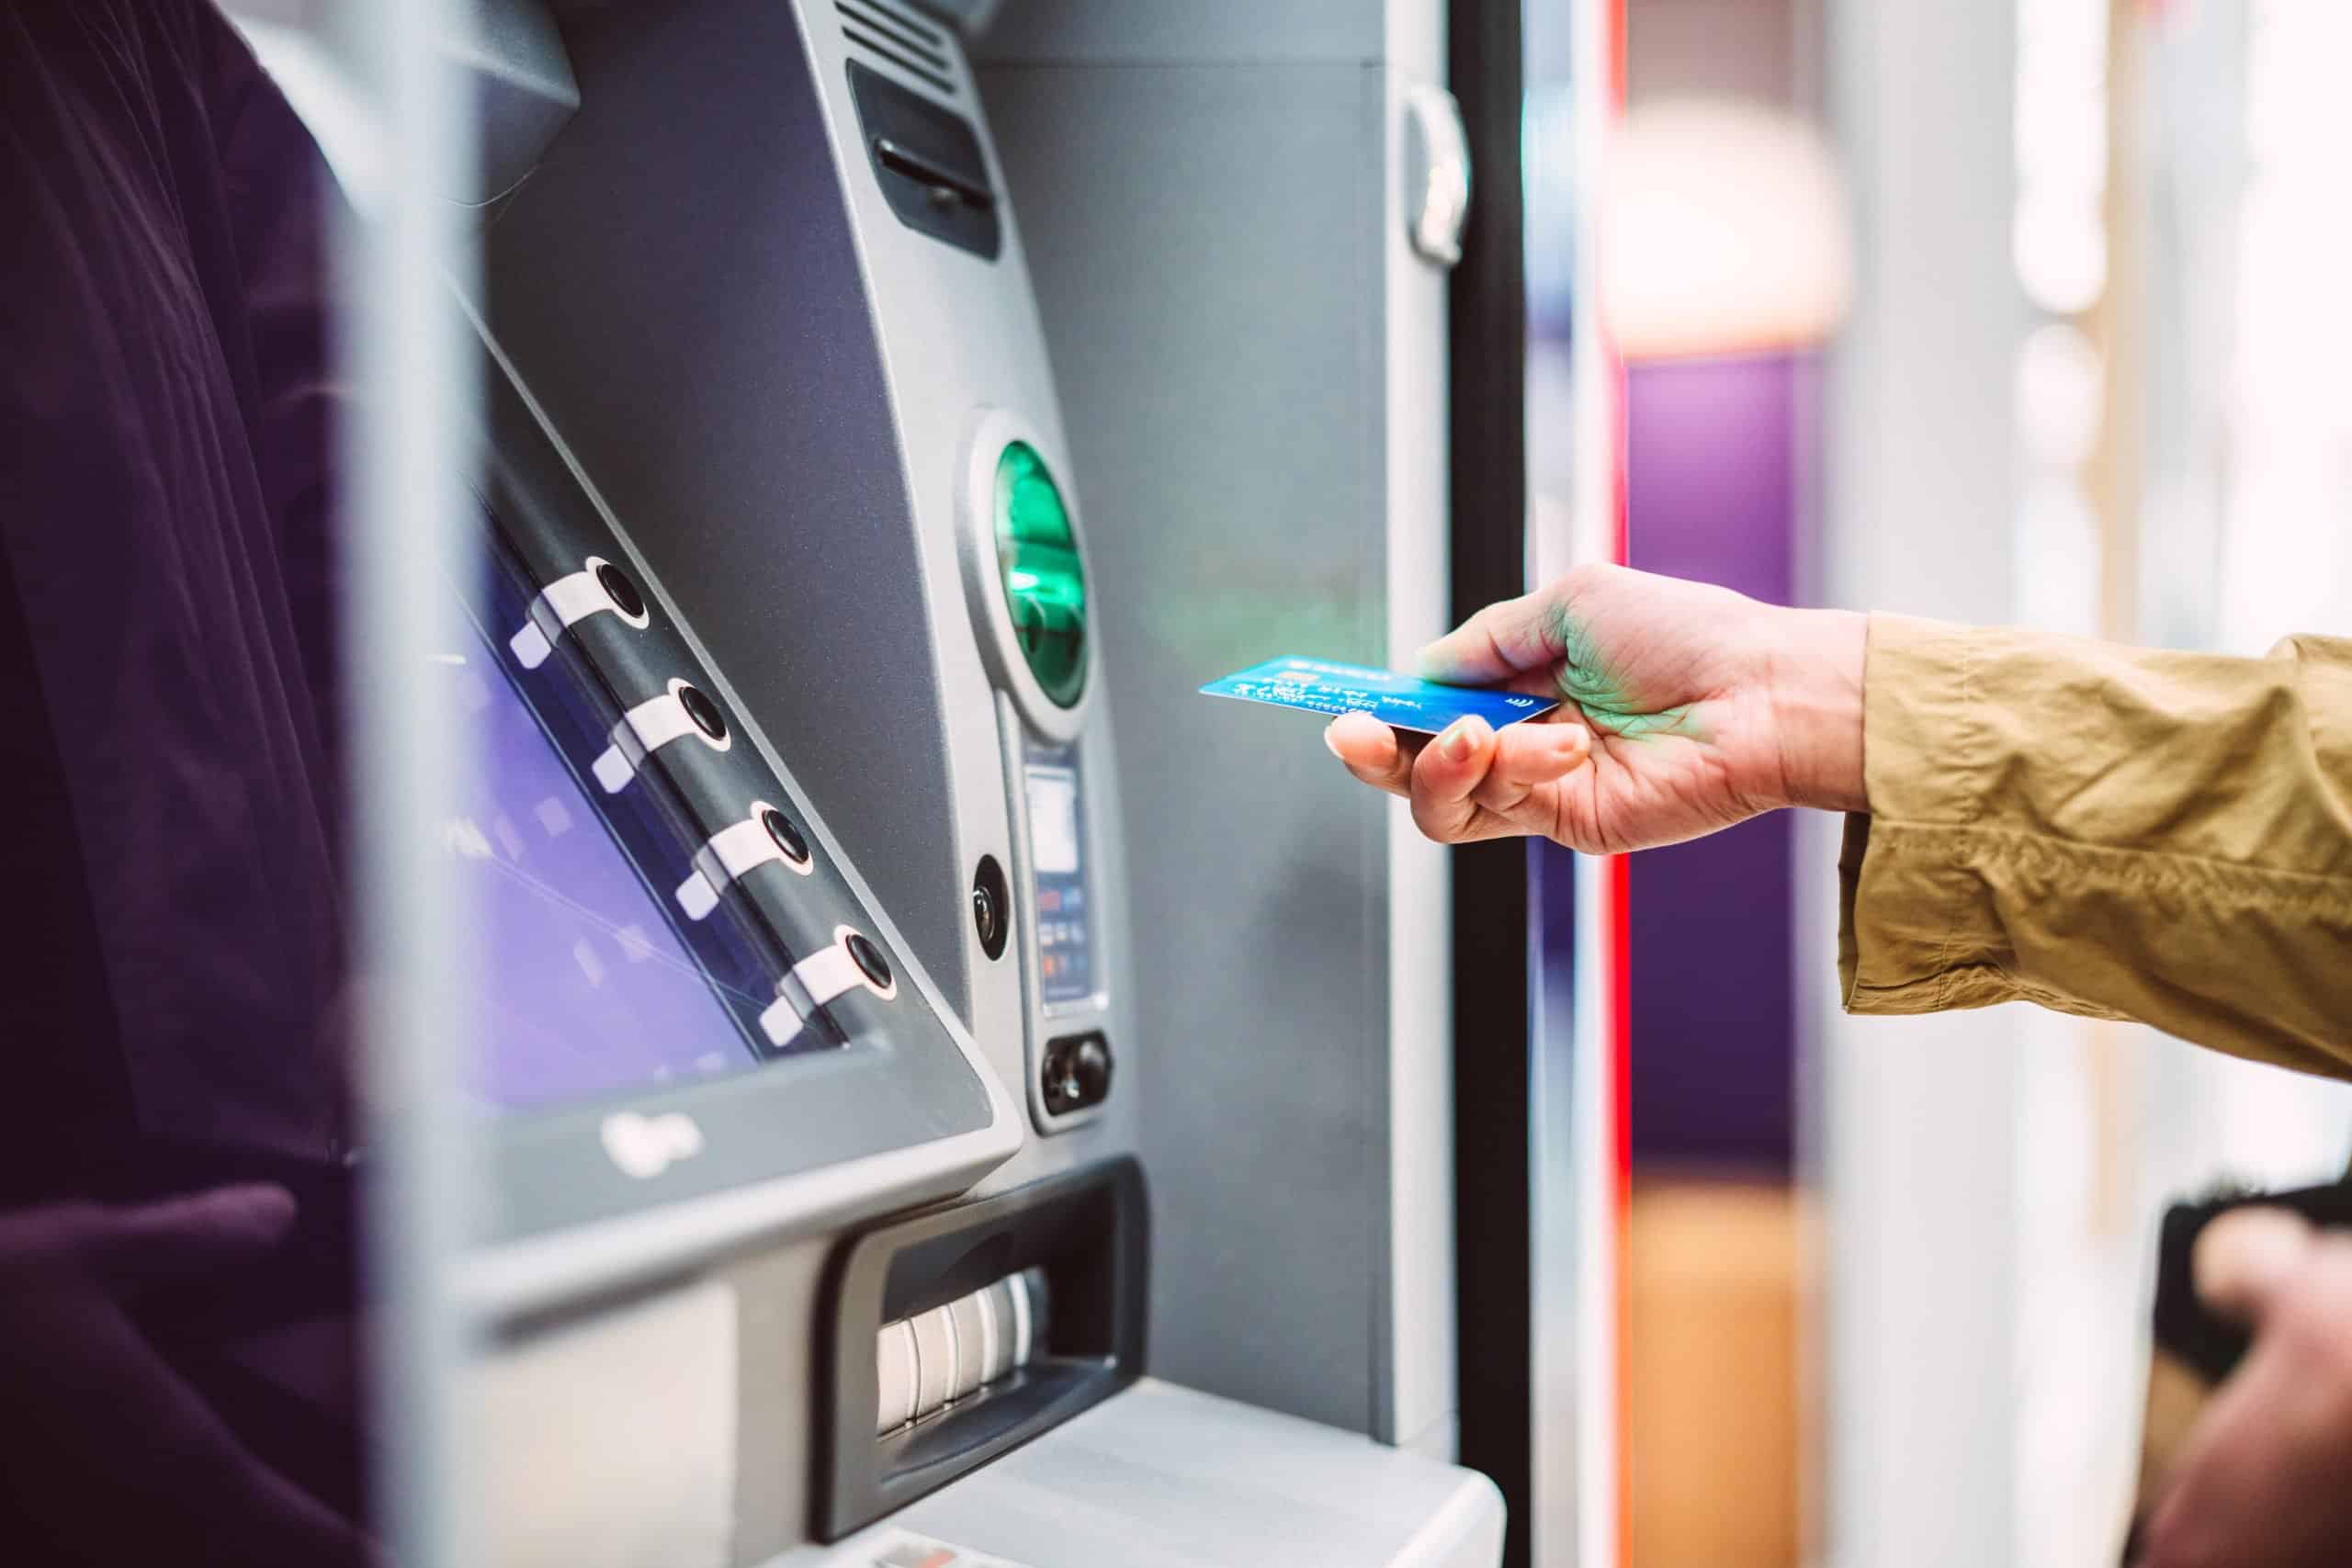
point(1916, 920)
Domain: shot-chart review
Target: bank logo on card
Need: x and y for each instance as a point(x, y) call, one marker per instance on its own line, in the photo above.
point(1402, 702)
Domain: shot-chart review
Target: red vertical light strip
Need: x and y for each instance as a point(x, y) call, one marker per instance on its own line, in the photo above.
point(1620, 906)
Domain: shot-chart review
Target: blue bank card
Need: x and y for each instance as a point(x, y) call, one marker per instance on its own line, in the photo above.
point(1401, 702)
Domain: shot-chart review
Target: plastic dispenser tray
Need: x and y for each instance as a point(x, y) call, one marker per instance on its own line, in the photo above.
point(1077, 1244)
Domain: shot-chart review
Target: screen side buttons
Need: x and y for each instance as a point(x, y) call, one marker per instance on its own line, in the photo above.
point(620, 590)
point(765, 836)
point(869, 959)
point(571, 599)
point(703, 711)
point(784, 835)
point(680, 711)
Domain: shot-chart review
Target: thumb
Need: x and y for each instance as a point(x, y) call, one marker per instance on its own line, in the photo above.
point(2244, 1258)
point(147, 1244)
point(1502, 640)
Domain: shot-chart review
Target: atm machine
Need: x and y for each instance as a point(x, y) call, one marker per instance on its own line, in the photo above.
point(851, 1078)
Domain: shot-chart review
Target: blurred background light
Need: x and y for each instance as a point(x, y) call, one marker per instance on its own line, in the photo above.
point(2060, 248)
point(2061, 393)
point(1723, 230)
point(2057, 559)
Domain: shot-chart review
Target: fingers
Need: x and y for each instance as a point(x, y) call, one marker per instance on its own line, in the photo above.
point(1501, 642)
point(1527, 758)
point(1372, 751)
point(2244, 1258)
point(1471, 782)
point(2258, 1483)
point(147, 1242)
point(1447, 775)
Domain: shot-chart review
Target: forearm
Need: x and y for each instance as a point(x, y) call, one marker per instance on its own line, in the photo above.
point(2159, 836)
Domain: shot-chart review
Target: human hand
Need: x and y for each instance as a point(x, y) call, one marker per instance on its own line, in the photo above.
point(1688, 708)
point(108, 1454)
point(2259, 1482)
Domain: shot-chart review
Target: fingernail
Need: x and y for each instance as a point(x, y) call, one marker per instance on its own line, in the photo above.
point(1459, 737)
point(1329, 744)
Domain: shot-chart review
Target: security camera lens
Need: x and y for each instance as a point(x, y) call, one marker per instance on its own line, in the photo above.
point(703, 711)
point(620, 589)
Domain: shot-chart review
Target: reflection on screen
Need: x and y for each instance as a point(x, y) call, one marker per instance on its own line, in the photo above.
point(589, 989)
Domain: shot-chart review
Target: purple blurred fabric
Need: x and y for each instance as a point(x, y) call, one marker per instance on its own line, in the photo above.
point(1714, 491)
point(173, 954)
point(170, 733)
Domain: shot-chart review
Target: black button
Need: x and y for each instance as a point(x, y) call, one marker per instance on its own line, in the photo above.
point(703, 711)
point(991, 901)
point(1076, 1072)
point(869, 959)
point(620, 590)
point(787, 837)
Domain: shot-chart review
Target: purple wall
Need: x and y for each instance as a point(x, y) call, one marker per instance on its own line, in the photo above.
point(1713, 487)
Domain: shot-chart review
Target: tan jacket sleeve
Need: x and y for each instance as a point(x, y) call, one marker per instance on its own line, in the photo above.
point(2112, 831)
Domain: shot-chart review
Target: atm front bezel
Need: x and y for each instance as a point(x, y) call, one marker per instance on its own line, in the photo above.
point(908, 1101)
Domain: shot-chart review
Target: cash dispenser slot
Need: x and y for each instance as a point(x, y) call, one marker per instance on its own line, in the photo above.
point(954, 1337)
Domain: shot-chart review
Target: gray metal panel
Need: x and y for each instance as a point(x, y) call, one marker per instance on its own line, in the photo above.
point(1164, 1477)
point(964, 350)
point(1297, 31)
point(523, 89)
point(1206, 247)
point(678, 287)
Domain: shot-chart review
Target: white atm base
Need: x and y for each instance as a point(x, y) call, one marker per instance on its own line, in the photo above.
point(1164, 1477)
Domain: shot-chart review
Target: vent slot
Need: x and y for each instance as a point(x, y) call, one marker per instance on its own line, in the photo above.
point(918, 38)
point(913, 47)
point(908, 18)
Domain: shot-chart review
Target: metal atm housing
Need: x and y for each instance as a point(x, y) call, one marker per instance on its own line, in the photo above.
point(811, 407)
point(758, 310)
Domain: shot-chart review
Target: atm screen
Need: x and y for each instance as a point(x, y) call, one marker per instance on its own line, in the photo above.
point(589, 987)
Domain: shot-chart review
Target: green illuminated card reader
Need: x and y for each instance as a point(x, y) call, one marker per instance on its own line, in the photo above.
point(1044, 582)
